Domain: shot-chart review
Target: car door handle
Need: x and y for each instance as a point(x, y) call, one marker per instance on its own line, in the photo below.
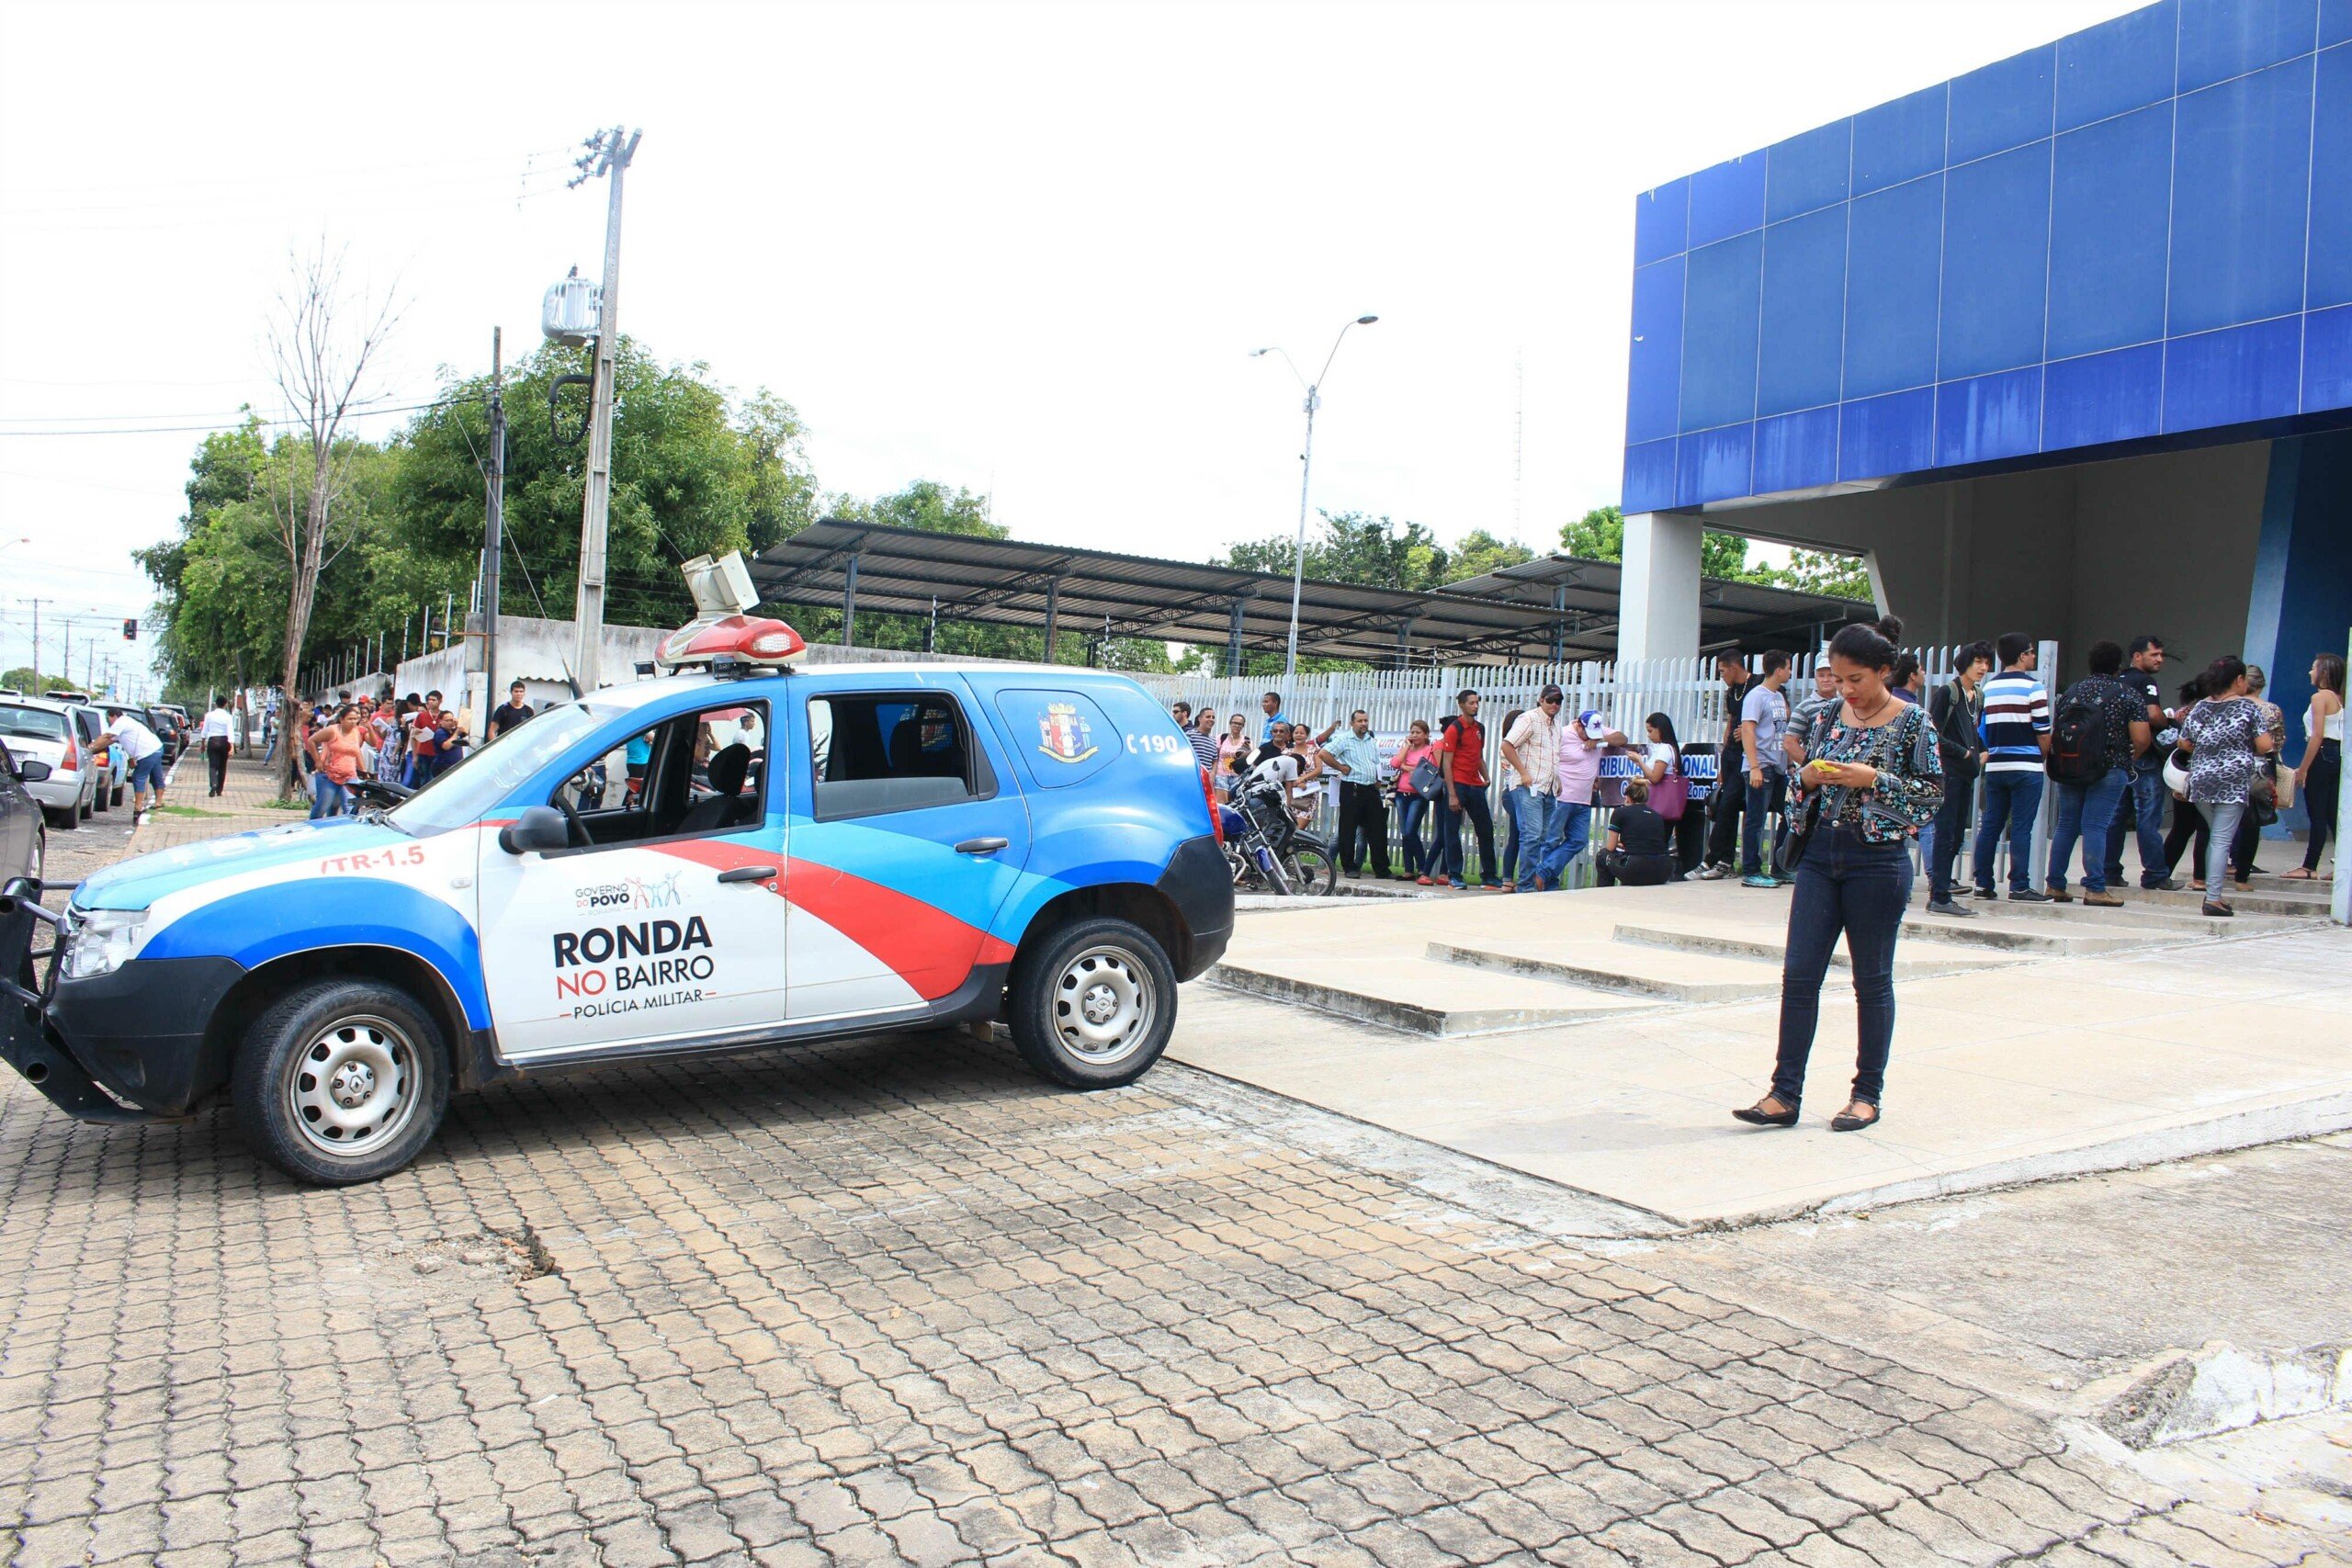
point(981, 846)
point(748, 873)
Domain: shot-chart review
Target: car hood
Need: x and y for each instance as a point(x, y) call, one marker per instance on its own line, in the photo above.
point(136, 883)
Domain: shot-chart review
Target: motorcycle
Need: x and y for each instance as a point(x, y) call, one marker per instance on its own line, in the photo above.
point(1267, 851)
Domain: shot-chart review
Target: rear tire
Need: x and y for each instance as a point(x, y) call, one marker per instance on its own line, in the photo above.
point(1092, 1006)
point(1312, 869)
point(341, 1081)
point(89, 804)
point(64, 821)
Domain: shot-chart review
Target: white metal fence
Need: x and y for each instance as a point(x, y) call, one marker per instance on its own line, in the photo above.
point(1628, 691)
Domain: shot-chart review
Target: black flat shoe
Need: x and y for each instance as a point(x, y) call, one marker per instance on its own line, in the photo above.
point(2217, 911)
point(1756, 1116)
point(1847, 1121)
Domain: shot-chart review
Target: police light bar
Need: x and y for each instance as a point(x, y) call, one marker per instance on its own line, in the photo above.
point(730, 645)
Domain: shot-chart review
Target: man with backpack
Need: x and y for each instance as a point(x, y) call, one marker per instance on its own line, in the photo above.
point(1956, 709)
point(2100, 727)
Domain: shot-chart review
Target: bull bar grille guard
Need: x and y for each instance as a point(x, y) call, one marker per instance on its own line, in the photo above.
point(29, 1042)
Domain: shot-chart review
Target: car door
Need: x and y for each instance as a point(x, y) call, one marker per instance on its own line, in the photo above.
point(20, 821)
point(907, 837)
point(666, 925)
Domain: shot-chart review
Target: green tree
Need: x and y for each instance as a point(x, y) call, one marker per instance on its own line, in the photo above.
point(21, 679)
point(693, 474)
point(1821, 571)
point(1599, 535)
point(1480, 553)
point(1352, 546)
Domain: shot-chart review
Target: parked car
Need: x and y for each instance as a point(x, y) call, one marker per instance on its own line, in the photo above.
point(38, 731)
point(24, 837)
point(91, 723)
point(167, 727)
point(933, 845)
point(184, 725)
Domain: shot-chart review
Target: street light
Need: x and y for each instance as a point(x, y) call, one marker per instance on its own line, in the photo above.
point(1306, 471)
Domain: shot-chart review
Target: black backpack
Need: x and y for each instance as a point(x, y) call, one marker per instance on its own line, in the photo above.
point(2078, 740)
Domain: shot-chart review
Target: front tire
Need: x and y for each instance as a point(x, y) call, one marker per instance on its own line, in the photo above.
point(1312, 870)
point(1093, 1005)
point(341, 1081)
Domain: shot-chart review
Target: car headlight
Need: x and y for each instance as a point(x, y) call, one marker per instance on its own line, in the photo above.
point(103, 941)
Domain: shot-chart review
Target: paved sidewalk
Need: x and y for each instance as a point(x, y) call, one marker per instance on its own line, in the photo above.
point(897, 1301)
point(191, 815)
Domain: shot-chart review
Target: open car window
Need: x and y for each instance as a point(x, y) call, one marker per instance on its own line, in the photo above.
point(694, 775)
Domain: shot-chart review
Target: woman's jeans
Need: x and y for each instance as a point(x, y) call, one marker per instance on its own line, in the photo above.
point(1514, 799)
point(1843, 885)
point(1410, 809)
point(2320, 800)
point(328, 798)
point(2221, 819)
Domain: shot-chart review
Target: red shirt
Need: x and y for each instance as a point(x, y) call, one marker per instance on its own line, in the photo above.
point(1469, 738)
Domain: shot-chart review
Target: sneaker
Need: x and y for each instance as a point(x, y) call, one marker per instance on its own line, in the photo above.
point(2059, 896)
point(1715, 872)
point(2028, 896)
point(2164, 884)
point(1984, 893)
point(2102, 901)
point(1760, 880)
point(1946, 907)
point(1457, 883)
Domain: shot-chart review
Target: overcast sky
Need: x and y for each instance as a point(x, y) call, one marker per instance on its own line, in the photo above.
point(1023, 248)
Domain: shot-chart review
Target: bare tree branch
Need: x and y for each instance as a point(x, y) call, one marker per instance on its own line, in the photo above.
point(323, 343)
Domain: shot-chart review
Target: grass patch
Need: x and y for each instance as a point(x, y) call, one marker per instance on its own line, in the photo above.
point(186, 811)
point(286, 806)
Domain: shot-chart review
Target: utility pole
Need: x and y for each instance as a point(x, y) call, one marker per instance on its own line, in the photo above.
point(609, 155)
point(494, 528)
point(36, 603)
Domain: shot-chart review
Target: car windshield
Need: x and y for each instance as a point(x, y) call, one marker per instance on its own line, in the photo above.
point(31, 724)
point(460, 796)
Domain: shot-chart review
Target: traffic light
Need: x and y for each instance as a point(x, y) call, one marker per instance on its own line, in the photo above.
point(130, 630)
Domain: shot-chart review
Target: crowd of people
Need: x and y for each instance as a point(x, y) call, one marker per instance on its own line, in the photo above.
point(408, 741)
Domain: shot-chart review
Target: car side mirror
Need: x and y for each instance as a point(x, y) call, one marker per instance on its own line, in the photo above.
point(30, 770)
point(540, 828)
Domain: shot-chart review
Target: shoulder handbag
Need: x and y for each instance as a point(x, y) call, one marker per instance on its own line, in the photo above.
point(1671, 796)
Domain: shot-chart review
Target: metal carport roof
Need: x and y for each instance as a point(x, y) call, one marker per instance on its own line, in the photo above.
point(1519, 615)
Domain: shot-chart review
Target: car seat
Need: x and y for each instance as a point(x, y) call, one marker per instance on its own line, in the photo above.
point(727, 805)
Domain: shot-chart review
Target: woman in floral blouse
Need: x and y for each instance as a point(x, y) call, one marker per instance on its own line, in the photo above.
point(1872, 778)
point(2226, 736)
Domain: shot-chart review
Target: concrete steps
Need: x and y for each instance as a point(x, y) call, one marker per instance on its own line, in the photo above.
point(2157, 922)
point(1423, 995)
point(1913, 959)
point(1622, 967)
point(2026, 936)
point(2268, 897)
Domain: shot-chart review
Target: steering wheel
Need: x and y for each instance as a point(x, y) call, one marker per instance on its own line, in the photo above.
point(576, 831)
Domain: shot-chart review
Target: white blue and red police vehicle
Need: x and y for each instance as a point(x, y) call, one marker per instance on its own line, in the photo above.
point(745, 857)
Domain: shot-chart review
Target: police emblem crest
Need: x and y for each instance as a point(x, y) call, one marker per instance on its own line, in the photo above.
point(1064, 735)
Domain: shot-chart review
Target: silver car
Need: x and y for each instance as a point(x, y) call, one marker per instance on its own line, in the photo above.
point(46, 732)
point(24, 837)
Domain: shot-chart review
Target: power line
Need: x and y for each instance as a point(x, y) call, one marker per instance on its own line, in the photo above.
point(231, 424)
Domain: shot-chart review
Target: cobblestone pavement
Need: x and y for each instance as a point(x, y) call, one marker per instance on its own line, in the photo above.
point(899, 1301)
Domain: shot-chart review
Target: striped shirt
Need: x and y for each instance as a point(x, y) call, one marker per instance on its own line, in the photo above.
point(2016, 711)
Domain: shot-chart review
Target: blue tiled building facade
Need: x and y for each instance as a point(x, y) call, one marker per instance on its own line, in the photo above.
point(2137, 234)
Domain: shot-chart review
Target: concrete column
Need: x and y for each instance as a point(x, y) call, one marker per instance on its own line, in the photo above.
point(1658, 599)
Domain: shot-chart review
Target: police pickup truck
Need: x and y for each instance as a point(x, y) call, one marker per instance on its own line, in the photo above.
point(697, 862)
